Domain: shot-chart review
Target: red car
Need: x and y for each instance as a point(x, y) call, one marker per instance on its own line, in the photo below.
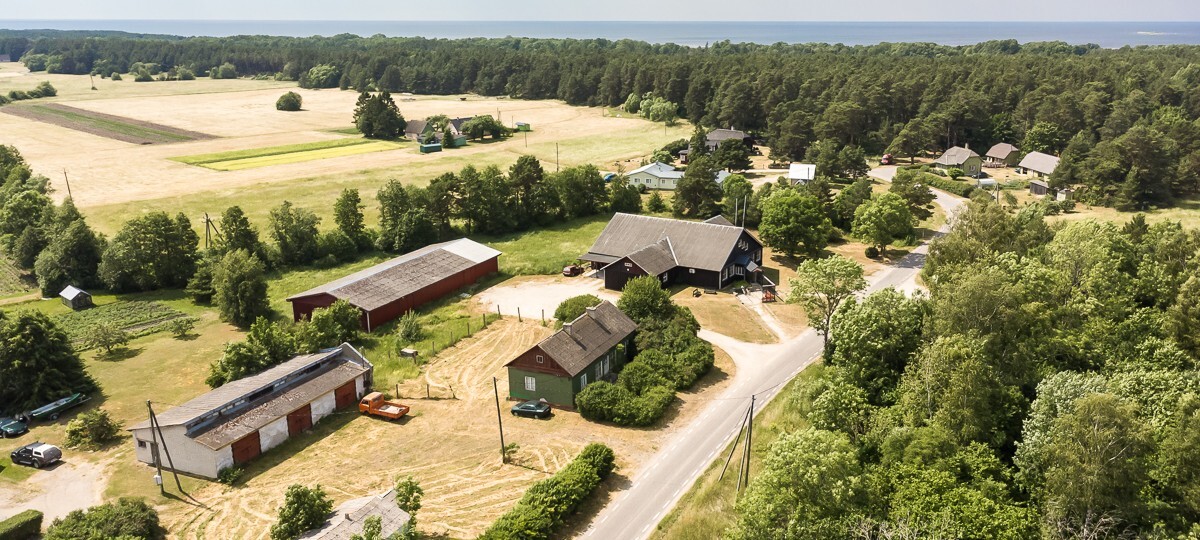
point(572, 270)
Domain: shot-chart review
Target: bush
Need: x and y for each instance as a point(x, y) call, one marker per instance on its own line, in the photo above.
point(547, 503)
point(182, 326)
point(23, 526)
point(409, 327)
point(115, 76)
point(872, 252)
point(143, 76)
point(126, 519)
point(954, 173)
point(230, 475)
point(290, 101)
point(958, 188)
point(92, 430)
point(337, 244)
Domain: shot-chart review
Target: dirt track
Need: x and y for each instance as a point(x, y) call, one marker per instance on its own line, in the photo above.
point(104, 125)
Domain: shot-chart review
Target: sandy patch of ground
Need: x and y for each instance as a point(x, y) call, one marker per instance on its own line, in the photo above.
point(534, 295)
point(450, 446)
point(73, 484)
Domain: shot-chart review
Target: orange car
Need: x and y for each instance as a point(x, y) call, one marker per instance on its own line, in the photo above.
point(374, 404)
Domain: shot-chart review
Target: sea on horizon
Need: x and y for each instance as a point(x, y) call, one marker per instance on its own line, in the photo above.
point(1104, 34)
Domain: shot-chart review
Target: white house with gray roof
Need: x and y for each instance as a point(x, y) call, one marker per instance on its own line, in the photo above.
point(1037, 164)
point(240, 420)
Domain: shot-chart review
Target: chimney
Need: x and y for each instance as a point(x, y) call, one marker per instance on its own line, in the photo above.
point(567, 328)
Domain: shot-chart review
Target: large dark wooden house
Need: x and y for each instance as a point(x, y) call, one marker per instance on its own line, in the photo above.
point(388, 290)
point(590, 348)
point(709, 254)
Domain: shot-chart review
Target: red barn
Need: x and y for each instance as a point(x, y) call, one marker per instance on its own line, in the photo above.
point(388, 290)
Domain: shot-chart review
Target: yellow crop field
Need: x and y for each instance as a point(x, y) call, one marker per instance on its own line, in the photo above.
point(279, 155)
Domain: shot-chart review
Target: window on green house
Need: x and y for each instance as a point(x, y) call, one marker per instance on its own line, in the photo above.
point(531, 384)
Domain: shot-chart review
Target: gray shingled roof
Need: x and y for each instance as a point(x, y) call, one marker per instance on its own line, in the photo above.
point(389, 281)
point(718, 135)
point(288, 396)
point(655, 258)
point(1001, 151)
point(599, 329)
point(71, 292)
point(719, 220)
point(1037, 161)
point(705, 246)
point(955, 156)
point(348, 519)
point(415, 127)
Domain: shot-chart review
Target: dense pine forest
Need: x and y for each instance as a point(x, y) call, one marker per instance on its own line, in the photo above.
point(1124, 121)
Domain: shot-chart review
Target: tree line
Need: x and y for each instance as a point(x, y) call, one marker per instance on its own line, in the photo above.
point(1047, 387)
point(1124, 121)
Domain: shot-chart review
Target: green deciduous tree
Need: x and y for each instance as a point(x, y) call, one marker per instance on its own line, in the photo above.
point(295, 232)
point(732, 155)
point(105, 335)
point(571, 308)
point(329, 327)
point(240, 288)
point(150, 252)
point(919, 197)
point(820, 287)
point(794, 223)
point(92, 430)
point(881, 219)
point(810, 486)
point(643, 299)
point(303, 509)
point(71, 259)
point(873, 340)
point(348, 215)
point(377, 117)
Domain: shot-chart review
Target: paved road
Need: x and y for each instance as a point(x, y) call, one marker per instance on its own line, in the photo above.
point(762, 370)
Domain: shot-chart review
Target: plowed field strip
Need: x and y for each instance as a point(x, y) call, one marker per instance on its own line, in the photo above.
point(104, 125)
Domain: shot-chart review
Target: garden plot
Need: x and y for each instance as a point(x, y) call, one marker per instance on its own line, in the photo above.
point(104, 125)
point(138, 318)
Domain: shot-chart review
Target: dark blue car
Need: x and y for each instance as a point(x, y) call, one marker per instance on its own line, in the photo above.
point(11, 427)
point(532, 409)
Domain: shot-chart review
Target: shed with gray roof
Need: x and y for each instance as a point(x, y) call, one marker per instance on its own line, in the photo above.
point(349, 517)
point(590, 348)
point(707, 254)
point(388, 290)
point(240, 420)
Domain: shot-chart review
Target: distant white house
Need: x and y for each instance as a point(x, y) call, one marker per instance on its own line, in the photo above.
point(802, 173)
point(659, 175)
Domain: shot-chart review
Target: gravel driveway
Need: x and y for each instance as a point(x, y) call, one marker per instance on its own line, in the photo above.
point(71, 485)
point(533, 294)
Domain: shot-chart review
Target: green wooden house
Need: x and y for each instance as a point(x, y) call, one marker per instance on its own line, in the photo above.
point(588, 349)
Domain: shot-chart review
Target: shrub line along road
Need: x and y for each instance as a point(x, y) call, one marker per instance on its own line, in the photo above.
point(634, 513)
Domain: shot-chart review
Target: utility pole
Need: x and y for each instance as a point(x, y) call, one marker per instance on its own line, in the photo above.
point(733, 448)
point(158, 429)
point(749, 441)
point(154, 450)
point(68, 181)
point(556, 163)
point(499, 421)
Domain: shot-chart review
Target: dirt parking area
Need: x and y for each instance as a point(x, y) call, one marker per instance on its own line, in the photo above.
point(55, 491)
point(451, 446)
point(533, 295)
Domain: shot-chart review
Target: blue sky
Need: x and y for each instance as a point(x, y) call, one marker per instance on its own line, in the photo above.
point(614, 10)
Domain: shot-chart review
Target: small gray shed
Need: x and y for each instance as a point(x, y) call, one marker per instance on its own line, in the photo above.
point(75, 298)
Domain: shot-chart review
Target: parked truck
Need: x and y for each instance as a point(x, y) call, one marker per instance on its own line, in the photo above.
point(374, 404)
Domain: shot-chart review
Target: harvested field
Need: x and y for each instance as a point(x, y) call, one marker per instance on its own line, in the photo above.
point(104, 125)
point(292, 153)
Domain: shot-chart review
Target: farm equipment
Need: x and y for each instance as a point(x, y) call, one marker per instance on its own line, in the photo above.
point(53, 410)
point(374, 404)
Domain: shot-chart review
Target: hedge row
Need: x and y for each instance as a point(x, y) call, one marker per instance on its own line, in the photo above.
point(548, 503)
point(962, 189)
point(44, 89)
point(23, 526)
